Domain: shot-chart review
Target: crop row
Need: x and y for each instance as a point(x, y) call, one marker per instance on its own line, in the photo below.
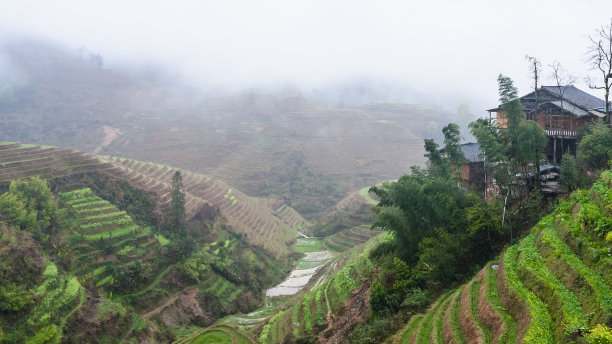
point(550, 236)
point(541, 325)
point(78, 193)
point(94, 210)
point(75, 201)
point(455, 309)
point(268, 333)
point(473, 305)
point(114, 233)
point(90, 204)
point(102, 216)
point(508, 331)
point(573, 315)
point(114, 222)
point(426, 326)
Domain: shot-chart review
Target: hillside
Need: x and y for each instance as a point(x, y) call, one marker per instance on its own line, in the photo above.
point(274, 144)
point(265, 223)
point(552, 287)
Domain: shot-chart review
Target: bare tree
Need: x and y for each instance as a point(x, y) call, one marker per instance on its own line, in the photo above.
point(534, 68)
point(600, 60)
point(562, 79)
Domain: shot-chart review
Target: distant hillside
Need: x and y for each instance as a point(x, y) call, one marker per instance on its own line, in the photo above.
point(281, 145)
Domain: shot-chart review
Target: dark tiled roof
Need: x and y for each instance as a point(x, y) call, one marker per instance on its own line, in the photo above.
point(471, 152)
point(576, 96)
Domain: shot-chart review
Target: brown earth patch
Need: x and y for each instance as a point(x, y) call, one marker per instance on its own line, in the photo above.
point(447, 330)
point(189, 299)
point(471, 333)
point(159, 308)
point(415, 335)
point(110, 135)
point(356, 310)
point(486, 313)
point(516, 308)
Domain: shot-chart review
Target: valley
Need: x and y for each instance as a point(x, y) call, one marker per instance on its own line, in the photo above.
point(137, 207)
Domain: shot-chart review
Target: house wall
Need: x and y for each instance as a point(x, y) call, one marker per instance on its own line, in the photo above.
point(501, 120)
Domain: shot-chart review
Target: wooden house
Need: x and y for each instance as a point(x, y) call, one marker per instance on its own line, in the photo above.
point(472, 169)
point(561, 111)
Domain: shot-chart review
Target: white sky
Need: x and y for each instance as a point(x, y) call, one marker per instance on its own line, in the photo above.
point(439, 47)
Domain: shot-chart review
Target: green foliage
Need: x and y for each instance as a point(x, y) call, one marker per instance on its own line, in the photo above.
point(13, 298)
point(408, 331)
point(162, 239)
point(531, 142)
point(307, 313)
point(600, 334)
point(416, 204)
point(452, 148)
point(265, 333)
point(44, 335)
point(416, 300)
point(541, 326)
point(550, 236)
point(125, 220)
point(428, 322)
point(29, 205)
point(595, 147)
point(109, 308)
point(197, 264)
point(177, 202)
point(573, 316)
point(569, 172)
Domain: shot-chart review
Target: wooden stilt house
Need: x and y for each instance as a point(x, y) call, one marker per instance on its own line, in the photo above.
point(561, 111)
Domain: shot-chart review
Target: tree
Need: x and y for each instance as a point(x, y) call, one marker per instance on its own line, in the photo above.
point(595, 147)
point(562, 79)
point(29, 205)
point(452, 149)
point(535, 67)
point(600, 60)
point(511, 104)
point(569, 172)
point(531, 142)
point(177, 203)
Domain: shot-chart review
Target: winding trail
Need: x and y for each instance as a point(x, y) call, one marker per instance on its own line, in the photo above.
point(156, 310)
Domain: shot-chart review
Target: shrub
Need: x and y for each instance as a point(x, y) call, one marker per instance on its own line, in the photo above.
point(601, 334)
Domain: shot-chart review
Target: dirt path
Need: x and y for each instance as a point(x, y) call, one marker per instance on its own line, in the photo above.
point(486, 313)
point(471, 333)
point(110, 134)
point(156, 310)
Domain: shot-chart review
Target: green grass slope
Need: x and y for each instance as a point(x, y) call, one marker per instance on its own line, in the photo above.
point(554, 286)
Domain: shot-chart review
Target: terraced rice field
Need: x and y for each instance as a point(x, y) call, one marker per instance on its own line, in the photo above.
point(349, 238)
point(264, 222)
point(24, 160)
point(310, 311)
point(216, 334)
point(103, 235)
point(551, 287)
point(305, 268)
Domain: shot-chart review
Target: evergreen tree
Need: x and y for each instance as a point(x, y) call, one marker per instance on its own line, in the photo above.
point(177, 203)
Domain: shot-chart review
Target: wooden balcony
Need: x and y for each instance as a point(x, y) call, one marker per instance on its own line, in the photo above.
point(561, 133)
